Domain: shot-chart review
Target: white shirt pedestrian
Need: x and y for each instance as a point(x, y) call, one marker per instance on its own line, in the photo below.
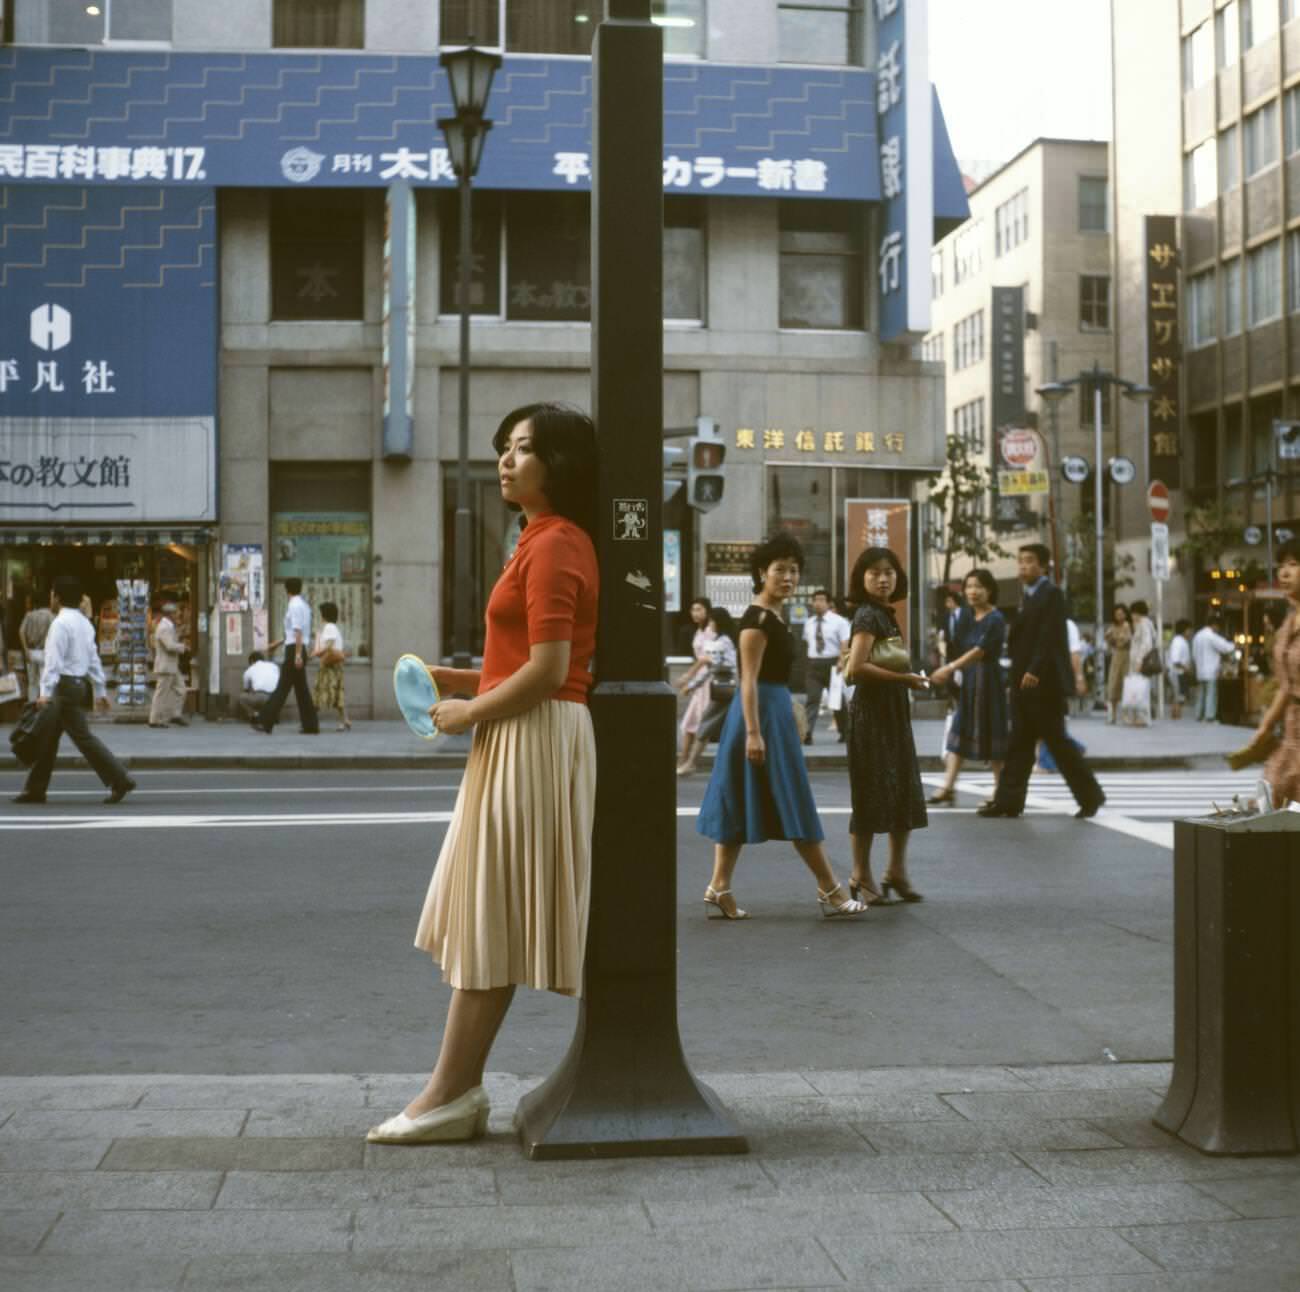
point(835, 630)
point(70, 652)
point(1208, 649)
point(1180, 653)
point(297, 618)
point(262, 676)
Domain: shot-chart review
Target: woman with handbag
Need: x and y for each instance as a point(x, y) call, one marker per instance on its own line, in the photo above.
point(720, 653)
point(759, 788)
point(883, 772)
point(328, 692)
point(1282, 771)
point(695, 683)
point(1143, 665)
point(1119, 637)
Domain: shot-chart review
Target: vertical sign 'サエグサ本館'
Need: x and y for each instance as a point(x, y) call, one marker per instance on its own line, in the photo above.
point(1164, 350)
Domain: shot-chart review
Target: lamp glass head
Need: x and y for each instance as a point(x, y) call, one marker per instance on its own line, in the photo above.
point(1053, 392)
point(469, 73)
point(1138, 392)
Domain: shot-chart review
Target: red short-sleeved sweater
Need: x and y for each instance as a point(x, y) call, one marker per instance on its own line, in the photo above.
point(546, 593)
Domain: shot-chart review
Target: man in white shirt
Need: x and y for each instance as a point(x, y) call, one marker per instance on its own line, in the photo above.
point(31, 637)
point(261, 677)
point(293, 672)
point(169, 686)
point(72, 673)
point(1208, 649)
point(1180, 665)
point(823, 634)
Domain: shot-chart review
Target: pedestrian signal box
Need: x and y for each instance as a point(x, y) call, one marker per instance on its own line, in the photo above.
point(705, 473)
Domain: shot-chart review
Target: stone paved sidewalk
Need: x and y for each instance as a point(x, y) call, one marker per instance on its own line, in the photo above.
point(1042, 1179)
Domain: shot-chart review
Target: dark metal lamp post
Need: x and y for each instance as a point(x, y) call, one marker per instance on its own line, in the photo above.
point(1053, 392)
point(469, 72)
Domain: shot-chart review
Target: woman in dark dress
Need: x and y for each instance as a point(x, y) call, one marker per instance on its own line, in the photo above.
point(980, 727)
point(883, 772)
point(759, 788)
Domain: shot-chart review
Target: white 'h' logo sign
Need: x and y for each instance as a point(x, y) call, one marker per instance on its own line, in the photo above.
point(51, 327)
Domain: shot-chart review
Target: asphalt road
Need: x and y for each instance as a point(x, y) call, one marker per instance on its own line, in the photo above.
point(245, 922)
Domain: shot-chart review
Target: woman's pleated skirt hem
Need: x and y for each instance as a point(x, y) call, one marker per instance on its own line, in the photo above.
point(510, 893)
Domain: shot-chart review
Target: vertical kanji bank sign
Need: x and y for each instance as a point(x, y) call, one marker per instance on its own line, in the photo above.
point(108, 342)
point(905, 138)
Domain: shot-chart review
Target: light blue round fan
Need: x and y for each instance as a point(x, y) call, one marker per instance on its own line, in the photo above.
point(416, 695)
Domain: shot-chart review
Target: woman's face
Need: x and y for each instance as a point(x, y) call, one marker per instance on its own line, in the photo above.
point(781, 578)
point(976, 594)
point(1288, 575)
point(880, 580)
point(522, 472)
point(1120, 615)
point(699, 614)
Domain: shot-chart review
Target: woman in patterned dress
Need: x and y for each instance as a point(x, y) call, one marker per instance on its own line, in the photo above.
point(1282, 772)
point(883, 772)
point(695, 683)
point(328, 692)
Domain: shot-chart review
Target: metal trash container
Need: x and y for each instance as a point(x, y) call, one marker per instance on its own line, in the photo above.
point(1236, 1080)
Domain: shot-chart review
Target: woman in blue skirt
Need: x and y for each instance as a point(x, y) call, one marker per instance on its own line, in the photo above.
point(759, 788)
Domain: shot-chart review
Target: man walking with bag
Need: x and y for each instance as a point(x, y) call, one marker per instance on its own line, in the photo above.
point(1042, 680)
point(72, 674)
point(293, 672)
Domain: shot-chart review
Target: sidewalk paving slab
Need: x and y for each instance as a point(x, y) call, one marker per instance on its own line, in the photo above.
point(391, 744)
point(1019, 1182)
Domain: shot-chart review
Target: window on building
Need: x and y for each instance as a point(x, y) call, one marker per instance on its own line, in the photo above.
point(685, 270)
point(932, 348)
point(1264, 283)
point(1199, 176)
point(684, 26)
point(1290, 10)
point(1232, 296)
point(318, 24)
point(968, 424)
point(1293, 272)
point(968, 341)
point(1201, 313)
point(820, 31)
point(1198, 56)
point(317, 253)
point(548, 257)
point(79, 22)
point(1227, 29)
point(821, 271)
point(562, 26)
point(1260, 129)
point(968, 251)
point(1229, 160)
point(1011, 223)
point(1094, 302)
point(485, 254)
point(320, 532)
point(936, 274)
point(1093, 215)
point(1291, 120)
point(1258, 22)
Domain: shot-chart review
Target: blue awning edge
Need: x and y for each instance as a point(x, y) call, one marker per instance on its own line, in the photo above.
point(951, 207)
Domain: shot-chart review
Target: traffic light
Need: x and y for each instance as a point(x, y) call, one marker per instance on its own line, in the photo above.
point(674, 461)
point(705, 476)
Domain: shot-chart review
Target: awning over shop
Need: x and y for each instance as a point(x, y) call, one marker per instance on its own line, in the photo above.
point(99, 537)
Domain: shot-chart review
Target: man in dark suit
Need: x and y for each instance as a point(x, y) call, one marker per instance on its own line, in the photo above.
point(1042, 680)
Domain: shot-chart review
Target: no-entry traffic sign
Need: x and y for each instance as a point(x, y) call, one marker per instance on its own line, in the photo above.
point(1158, 501)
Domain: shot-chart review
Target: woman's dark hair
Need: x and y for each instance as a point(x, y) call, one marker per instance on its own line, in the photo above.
point(1139, 608)
point(564, 438)
point(780, 547)
point(986, 581)
point(1119, 605)
point(1288, 551)
point(857, 585)
point(700, 601)
point(329, 612)
point(720, 618)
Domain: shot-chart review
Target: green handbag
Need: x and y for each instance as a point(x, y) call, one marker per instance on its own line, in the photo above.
point(891, 653)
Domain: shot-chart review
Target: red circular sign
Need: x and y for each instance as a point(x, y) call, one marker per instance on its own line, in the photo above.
point(1158, 501)
point(1019, 448)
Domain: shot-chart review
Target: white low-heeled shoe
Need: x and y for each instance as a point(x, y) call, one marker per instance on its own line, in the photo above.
point(461, 1119)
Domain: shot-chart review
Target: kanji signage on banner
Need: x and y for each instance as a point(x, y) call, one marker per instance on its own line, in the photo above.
point(1164, 350)
point(878, 522)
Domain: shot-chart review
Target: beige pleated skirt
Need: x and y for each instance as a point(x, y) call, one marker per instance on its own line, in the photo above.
point(510, 892)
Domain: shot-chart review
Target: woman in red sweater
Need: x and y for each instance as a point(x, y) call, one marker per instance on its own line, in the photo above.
point(509, 897)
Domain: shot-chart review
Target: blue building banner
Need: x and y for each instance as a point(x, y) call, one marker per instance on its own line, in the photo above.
point(150, 117)
point(110, 301)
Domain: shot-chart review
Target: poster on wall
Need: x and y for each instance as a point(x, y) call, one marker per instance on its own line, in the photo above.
point(234, 634)
point(242, 579)
point(672, 571)
point(879, 522)
point(330, 553)
point(260, 634)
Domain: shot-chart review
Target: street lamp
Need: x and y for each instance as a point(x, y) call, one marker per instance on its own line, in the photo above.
point(1139, 393)
point(469, 73)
